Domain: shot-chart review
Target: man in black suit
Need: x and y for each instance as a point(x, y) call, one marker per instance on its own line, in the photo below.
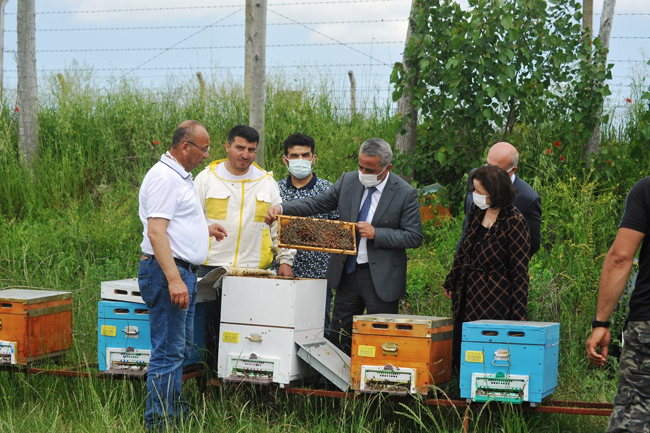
point(529, 203)
point(386, 209)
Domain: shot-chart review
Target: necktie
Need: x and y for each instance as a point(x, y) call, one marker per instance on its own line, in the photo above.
point(351, 262)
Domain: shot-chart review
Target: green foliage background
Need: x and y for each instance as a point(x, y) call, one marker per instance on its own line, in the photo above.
point(72, 223)
point(490, 72)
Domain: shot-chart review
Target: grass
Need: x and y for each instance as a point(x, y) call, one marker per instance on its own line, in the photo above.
point(72, 223)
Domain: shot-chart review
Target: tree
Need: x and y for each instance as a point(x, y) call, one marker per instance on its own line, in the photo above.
point(606, 19)
point(406, 138)
point(485, 70)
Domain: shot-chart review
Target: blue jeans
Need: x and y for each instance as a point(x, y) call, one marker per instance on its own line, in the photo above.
point(172, 330)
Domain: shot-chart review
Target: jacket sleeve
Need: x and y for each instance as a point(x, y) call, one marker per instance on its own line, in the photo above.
point(451, 282)
point(324, 202)
point(519, 256)
point(469, 200)
point(533, 216)
point(284, 256)
point(469, 197)
point(409, 233)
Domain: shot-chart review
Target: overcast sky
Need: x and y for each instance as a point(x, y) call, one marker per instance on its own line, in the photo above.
point(373, 33)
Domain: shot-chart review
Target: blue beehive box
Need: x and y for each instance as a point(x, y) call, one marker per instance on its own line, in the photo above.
point(124, 339)
point(506, 360)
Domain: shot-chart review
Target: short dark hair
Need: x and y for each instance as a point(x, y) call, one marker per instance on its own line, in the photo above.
point(246, 132)
point(298, 139)
point(185, 132)
point(497, 184)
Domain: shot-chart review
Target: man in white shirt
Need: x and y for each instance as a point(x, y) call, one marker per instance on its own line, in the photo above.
point(175, 240)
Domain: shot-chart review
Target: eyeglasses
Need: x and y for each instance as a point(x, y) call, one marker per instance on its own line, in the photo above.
point(205, 150)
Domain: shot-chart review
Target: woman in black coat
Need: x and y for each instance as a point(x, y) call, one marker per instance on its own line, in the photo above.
point(489, 277)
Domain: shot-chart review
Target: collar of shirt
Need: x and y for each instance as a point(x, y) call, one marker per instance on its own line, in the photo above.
point(310, 185)
point(171, 162)
point(375, 197)
point(382, 185)
point(512, 178)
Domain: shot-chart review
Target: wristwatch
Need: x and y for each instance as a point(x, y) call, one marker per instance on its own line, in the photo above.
point(596, 324)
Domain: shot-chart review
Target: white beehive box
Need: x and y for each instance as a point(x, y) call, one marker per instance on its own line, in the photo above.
point(261, 321)
point(297, 303)
point(128, 291)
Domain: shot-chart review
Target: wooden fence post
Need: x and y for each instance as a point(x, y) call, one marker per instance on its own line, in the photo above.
point(353, 94)
point(248, 47)
point(199, 76)
point(27, 90)
point(258, 75)
point(2, 43)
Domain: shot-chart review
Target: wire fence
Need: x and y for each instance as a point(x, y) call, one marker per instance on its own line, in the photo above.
point(323, 38)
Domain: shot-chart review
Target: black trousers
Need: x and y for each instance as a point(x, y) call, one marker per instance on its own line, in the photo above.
point(355, 294)
point(212, 320)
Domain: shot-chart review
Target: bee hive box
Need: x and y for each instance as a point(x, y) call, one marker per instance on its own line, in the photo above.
point(315, 234)
point(34, 324)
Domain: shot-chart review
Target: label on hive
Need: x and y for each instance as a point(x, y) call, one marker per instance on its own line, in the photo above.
point(473, 356)
point(8, 350)
point(230, 337)
point(109, 331)
point(367, 351)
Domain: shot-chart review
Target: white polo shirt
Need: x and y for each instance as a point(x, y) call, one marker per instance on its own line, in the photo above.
point(167, 192)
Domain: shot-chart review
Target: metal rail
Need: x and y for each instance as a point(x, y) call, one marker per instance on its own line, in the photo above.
point(196, 372)
point(551, 406)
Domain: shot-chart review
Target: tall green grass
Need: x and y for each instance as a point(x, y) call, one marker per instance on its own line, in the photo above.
point(72, 223)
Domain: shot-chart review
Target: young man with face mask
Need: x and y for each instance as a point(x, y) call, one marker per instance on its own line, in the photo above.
point(299, 157)
point(386, 211)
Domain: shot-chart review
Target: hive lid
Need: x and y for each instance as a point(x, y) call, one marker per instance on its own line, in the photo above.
point(30, 296)
point(430, 321)
point(512, 332)
point(328, 360)
point(212, 280)
point(129, 283)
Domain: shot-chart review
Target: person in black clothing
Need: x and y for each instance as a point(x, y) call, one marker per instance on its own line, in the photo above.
point(632, 402)
point(489, 277)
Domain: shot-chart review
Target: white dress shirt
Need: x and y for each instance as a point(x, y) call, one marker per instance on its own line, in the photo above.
point(362, 252)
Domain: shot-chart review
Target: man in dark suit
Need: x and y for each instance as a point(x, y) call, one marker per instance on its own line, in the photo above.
point(386, 209)
point(529, 203)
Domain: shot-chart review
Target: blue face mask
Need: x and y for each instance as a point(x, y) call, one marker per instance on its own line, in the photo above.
point(300, 168)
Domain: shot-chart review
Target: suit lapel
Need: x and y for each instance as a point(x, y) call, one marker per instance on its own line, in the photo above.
point(386, 197)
